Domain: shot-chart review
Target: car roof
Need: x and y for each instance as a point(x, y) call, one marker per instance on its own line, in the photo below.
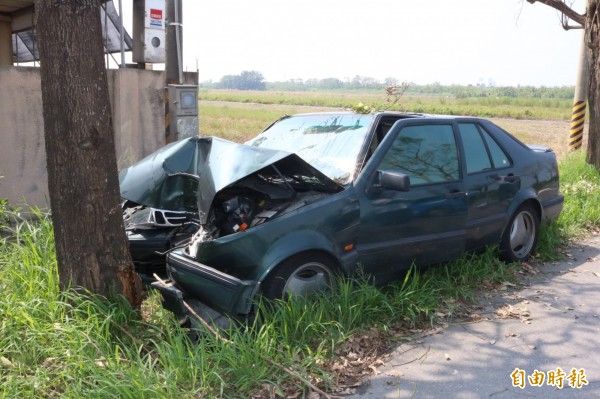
point(400, 115)
point(384, 113)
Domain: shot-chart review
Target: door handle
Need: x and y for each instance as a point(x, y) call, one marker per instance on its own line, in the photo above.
point(456, 194)
point(509, 178)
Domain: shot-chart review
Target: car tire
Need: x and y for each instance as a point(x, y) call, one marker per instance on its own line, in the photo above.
point(521, 235)
point(300, 276)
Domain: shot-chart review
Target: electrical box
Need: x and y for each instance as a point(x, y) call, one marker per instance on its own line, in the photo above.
point(184, 98)
point(183, 110)
point(149, 19)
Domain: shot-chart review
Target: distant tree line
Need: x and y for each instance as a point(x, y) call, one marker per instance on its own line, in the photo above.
point(253, 80)
point(247, 80)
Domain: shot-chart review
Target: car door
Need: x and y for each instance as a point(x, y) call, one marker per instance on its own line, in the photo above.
point(426, 223)
point(491, 183)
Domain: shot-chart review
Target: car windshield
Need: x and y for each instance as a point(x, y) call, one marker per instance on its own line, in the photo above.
point(329, 142)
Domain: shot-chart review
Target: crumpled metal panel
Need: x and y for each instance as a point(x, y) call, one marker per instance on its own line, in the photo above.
point(162, 180)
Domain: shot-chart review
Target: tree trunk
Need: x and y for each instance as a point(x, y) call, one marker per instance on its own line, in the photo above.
point(91, 245)
point(592, 35)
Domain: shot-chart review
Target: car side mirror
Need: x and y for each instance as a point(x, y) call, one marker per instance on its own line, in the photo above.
point(393, 180)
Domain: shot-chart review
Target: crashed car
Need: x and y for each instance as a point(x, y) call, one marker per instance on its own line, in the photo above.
point(316, 195)
point(159, 208)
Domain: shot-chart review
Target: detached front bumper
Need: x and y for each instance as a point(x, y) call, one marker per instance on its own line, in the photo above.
point(189, 308)
point(210, 286)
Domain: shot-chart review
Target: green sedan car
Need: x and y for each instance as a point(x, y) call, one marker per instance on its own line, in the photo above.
point(316, 195)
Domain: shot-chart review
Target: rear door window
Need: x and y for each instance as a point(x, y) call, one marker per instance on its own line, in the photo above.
point(482, 153)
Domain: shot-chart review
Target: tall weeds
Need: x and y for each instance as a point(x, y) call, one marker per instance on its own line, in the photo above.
point(73, 344)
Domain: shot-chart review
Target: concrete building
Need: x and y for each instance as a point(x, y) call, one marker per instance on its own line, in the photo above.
point(137, 99)
point(138, 118)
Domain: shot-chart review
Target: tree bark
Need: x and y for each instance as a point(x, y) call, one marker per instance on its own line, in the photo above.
point(91, 246)
point(593, 44)
point(562, 7)
point(591, 23)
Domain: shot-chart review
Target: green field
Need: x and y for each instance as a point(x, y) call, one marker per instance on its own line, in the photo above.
point(240, 115)
point(241, 120)
point(501, 107)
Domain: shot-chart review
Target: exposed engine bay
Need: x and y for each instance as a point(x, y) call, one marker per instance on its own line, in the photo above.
point(194, 189)
point(248, 203)
point(254, 200)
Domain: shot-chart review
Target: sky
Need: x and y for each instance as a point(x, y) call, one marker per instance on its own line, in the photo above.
point(500, 42)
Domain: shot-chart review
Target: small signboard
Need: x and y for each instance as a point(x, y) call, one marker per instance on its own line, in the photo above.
point(156, 18)
point(149, 21)
point(155, 14)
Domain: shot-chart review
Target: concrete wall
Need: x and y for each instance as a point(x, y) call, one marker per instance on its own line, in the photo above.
point(138, 118)
point(22, 151)
point(138, 113)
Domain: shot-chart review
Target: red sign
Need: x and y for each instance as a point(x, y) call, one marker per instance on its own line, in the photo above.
point(156, 14)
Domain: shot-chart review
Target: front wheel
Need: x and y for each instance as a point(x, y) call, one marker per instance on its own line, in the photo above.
point(520, 238)
point(300, 276)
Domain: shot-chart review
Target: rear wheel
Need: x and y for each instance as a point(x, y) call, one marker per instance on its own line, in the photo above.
point(300, 276)
point(520, 238)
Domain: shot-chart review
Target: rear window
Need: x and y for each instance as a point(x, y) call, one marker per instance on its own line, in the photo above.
point(482, 153)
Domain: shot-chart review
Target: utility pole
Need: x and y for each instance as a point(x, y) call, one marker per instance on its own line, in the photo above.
point(580, 99)
point(181, 100)
point(173, 72)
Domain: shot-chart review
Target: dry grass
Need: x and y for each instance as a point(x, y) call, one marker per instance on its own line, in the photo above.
point(240, 122)
point(554, 134)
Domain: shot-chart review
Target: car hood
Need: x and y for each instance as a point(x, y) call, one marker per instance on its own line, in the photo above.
point(186, 175)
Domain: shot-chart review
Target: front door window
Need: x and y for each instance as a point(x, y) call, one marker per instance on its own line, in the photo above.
point(427, 154)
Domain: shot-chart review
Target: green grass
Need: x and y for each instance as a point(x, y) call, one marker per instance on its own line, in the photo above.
point(580, 184)
point(71, 344)
point(504, 107)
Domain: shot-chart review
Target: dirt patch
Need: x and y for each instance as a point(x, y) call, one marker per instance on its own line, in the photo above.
point(554, 134)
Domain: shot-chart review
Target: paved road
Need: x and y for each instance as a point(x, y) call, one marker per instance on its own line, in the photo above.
point(550, 323)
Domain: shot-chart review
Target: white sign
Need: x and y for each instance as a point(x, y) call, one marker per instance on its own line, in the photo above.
point(155, 14)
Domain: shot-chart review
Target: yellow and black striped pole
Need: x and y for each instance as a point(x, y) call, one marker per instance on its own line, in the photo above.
point(580, 100)
point(577, 122)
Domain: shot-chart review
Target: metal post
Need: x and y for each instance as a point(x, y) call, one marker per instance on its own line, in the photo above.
point(178, 40)
point(580, 99)
point(103, 5)
point(171, 65)
point(121, 34)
